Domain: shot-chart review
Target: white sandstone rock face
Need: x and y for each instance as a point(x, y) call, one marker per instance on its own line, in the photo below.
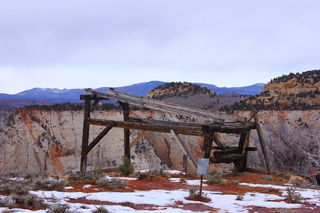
point(39, 140)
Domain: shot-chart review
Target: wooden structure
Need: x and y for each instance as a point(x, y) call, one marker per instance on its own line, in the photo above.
point(214, 122)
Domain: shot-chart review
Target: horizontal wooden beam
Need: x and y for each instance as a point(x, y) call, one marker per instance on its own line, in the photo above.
point(217, 117)
point(178, 127)
point(148, 127)
point(228, 158)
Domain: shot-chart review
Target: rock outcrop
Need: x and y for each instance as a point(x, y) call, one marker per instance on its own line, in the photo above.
point(50, 141)
point(41, 140)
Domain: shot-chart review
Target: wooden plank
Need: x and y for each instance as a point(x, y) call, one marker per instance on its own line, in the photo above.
point(164, 106)
point(148, 127)
point(195, 129)
point(138, 138)
point(251, 148)
point(227, 158)
point(184, 150)
point(225, 152)
point(85, 135)
point(97, 139)
point(262, 143)
point(212, 114)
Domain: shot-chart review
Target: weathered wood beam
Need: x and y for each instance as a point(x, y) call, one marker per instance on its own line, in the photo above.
point(148, 127)
point(236, 148)
point(138, 138)
point(195, 129)
point(97, 139)
point(164, 106)
point(126, 131)
point(184, 150)
point(227, 158)
point(262, 143)
point(243, 149)
point(85, 134)
point(218, 142)
point(207, 145)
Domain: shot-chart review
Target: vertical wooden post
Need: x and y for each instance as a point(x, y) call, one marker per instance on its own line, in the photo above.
point(207, 145)
point(85, 134)
point(263, 146)
point(243, 149)
point(126, 132)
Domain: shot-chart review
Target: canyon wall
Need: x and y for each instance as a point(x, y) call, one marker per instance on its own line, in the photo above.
point(50, 141)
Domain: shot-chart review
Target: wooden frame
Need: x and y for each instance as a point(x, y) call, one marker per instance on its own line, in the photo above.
point(215, 122)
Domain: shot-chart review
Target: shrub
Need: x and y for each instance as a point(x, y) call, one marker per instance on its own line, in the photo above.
point(215, 178)
point(293, 195)
point(239, 197)
point(101, 209)
point(268, 177)
point(126, 168)
point(14, 188)
point(29, 201)
point(235, 182)
point(193, 192)
point(112, 183)
point(152, 173)
point(6, 202)
point(59, 208)
point(48, 184)
point(87, 175)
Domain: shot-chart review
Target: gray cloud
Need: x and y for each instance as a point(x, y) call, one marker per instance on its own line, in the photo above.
point(227, 43)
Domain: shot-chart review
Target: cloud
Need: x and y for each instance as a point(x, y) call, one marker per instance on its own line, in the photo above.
point(158, 40)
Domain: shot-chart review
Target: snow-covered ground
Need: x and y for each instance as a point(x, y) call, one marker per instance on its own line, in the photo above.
point(165, 199)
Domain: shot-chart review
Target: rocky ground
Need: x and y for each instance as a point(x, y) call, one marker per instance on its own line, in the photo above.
point(233, 185)
point(243, 192)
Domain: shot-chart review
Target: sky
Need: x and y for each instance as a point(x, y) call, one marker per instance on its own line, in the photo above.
point(111, 43)
point(164, 198)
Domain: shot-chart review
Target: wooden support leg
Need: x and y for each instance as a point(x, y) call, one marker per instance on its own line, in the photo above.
point(243, 149)
point(126, 132)
point(262, 143)
point(85, 135)
point(207, 145)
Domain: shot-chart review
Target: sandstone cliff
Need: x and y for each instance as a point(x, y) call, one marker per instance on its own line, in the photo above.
point(42, 140)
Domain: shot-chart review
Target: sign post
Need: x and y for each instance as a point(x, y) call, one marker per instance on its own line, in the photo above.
point(202, 169)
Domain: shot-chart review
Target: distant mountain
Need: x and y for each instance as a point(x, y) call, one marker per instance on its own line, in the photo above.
point(49, 95)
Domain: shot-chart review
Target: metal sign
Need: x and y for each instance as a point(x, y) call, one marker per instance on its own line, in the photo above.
point(203, 166)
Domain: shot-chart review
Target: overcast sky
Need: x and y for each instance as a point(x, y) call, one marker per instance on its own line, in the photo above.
point(80, 44)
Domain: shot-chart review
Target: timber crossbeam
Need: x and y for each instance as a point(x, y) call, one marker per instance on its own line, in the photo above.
point(178, 127)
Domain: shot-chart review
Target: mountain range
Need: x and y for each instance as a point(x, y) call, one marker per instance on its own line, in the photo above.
point(51, 96)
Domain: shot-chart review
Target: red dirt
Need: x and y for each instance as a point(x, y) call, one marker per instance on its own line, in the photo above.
point(226, 187)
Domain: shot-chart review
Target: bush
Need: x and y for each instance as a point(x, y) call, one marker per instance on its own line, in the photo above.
point(235, 182)
point(48, 184)
point(239, 197)
point(193, 192)
point(293, 195)
point(152, 173)
point(215, 178)
point(29, 201)
point(59, 208)
point(126, 168)
point(112, 183)
point(268, 177)
point(87, 175)
point(14, 188)
point(101, 209)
